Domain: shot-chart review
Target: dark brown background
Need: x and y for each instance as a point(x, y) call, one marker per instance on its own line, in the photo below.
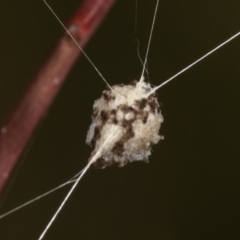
point(189, 189)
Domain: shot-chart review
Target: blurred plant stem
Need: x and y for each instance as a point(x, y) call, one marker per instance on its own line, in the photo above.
point(35, 102)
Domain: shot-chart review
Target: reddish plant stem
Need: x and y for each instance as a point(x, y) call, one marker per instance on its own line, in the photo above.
point(21, 123)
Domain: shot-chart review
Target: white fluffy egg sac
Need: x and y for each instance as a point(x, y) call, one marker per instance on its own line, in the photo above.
point(136, 118)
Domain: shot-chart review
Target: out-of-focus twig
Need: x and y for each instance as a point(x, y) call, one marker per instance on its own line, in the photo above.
point(21, 123)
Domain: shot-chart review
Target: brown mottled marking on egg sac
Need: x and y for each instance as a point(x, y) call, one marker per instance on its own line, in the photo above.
point(133, 83)
point(145, 118)
point(129, 133)
point(101, 163)
point(106, 96)
point(104, 116)
point(114, 117)
point(118, 148)
point(96, 136)
point(142, 103)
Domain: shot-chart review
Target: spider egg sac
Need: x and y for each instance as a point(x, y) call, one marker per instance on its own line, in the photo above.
point(136, 118)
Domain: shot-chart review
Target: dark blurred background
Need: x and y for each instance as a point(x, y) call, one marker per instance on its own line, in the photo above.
point(189, 190)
